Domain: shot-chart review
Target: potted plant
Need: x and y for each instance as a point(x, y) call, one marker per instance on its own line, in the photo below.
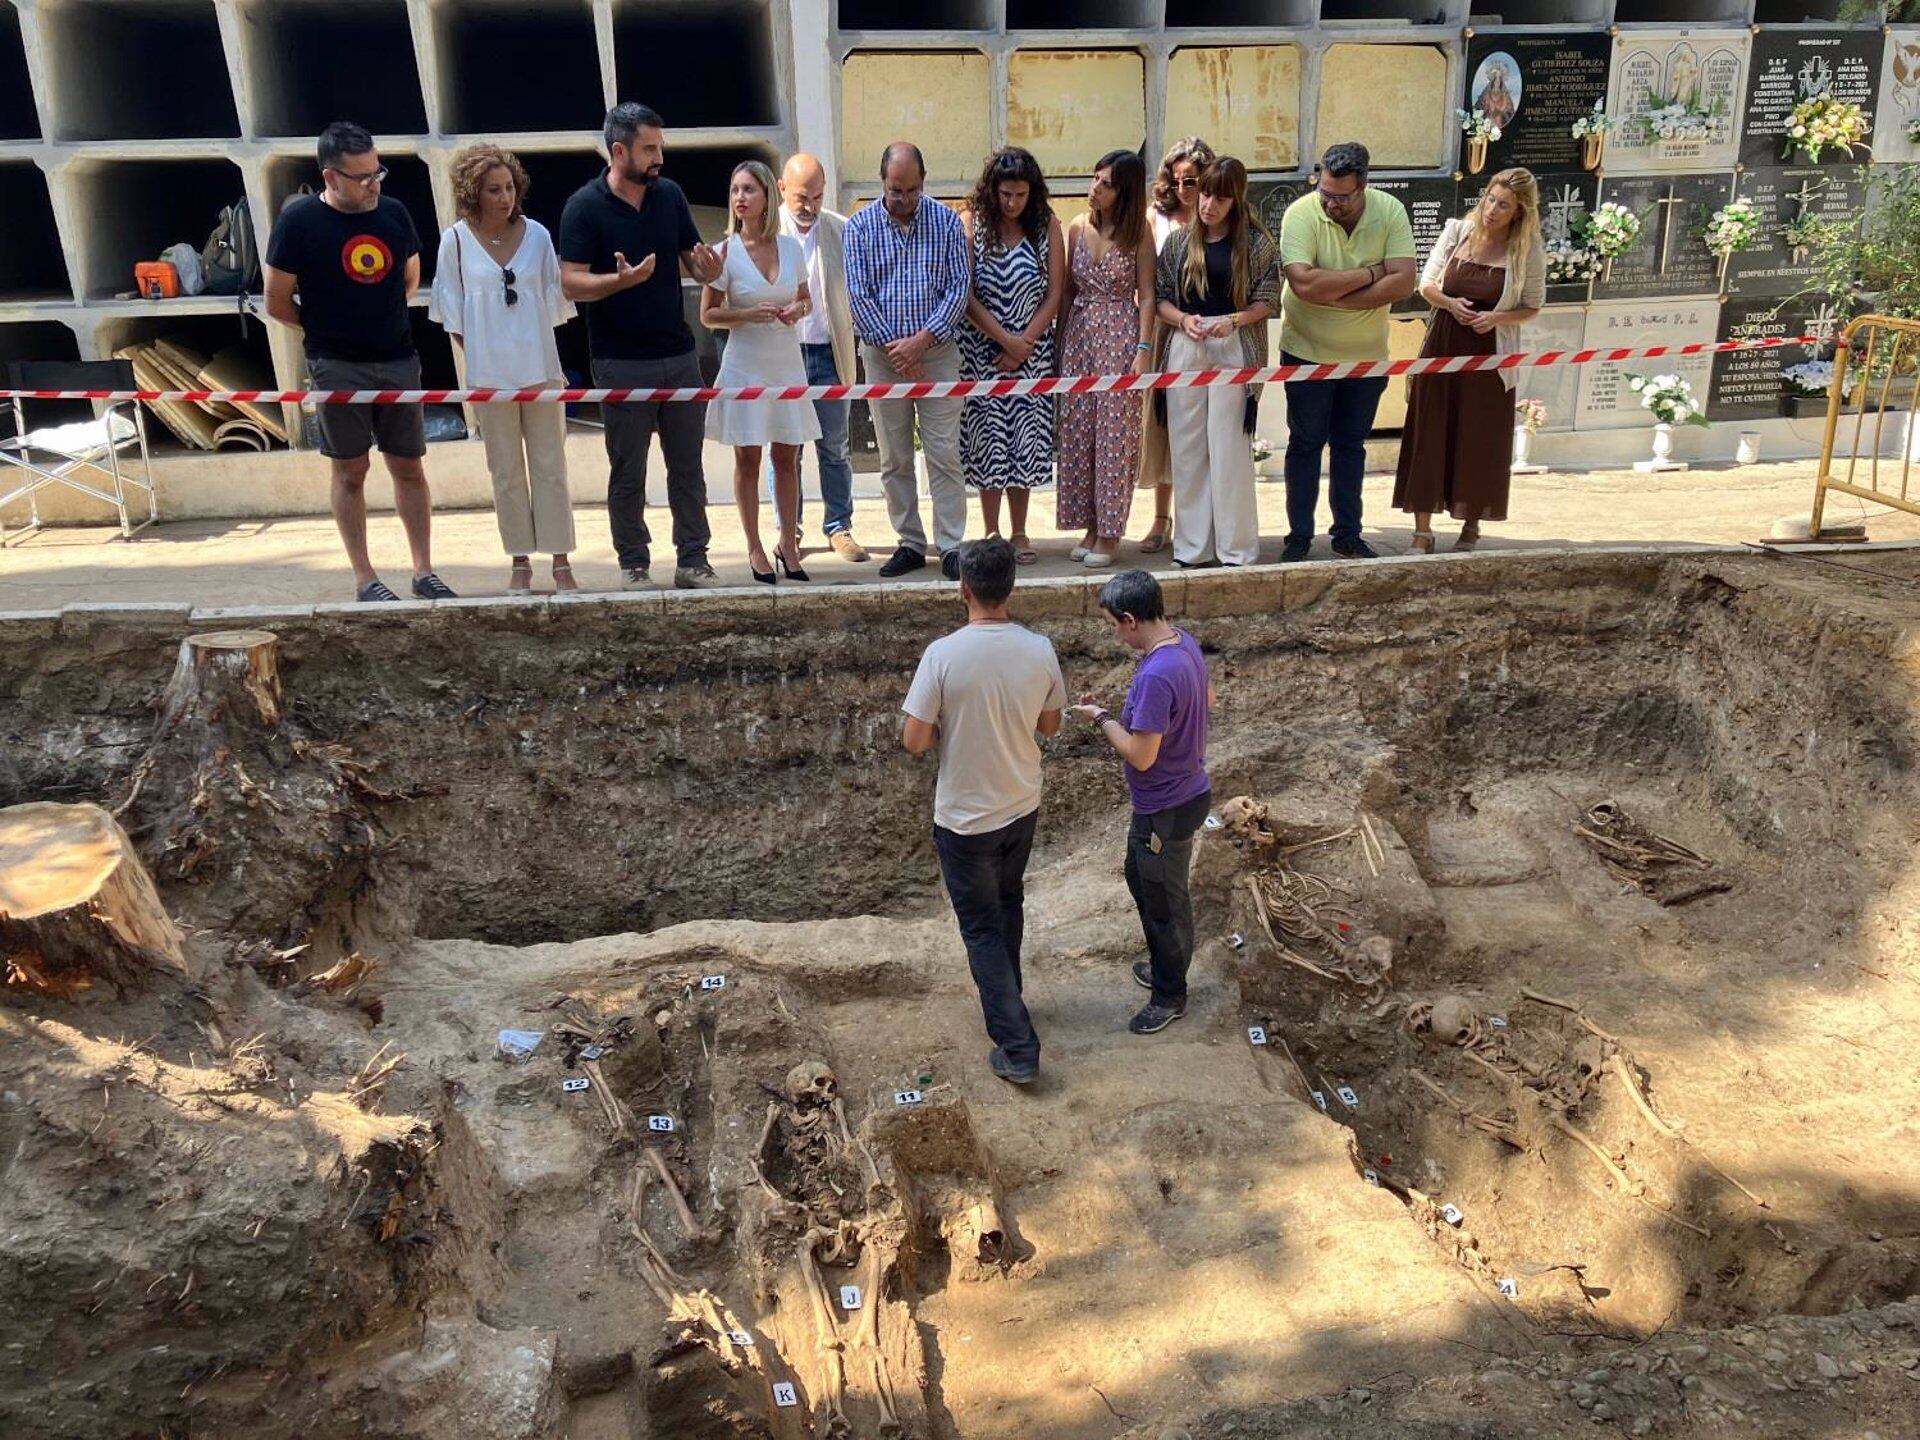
point(1610, 231)
point(1266, 463)
point(1591, 131)
point(1823, 123)
point(1670, 398)
point(1529, 415)
point(1734, 226)
point(1480, 132)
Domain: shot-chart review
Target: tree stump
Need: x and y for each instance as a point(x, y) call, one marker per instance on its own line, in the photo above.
point(223, 672)
point(75, 901)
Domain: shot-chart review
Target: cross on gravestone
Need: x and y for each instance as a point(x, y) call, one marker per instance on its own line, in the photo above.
point(1667, 204)
point(1560, 212)
point(1804, 195)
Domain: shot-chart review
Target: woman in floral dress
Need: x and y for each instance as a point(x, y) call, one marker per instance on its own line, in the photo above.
point(1108, 329)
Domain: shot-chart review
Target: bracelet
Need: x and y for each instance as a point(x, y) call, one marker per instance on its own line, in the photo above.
point(1102, 718)
point(1143, 347)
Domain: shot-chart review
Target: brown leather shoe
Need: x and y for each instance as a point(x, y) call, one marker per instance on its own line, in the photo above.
point(848, 548)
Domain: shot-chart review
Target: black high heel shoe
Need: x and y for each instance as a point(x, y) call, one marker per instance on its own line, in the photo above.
point(765, 577)
point(792, 572)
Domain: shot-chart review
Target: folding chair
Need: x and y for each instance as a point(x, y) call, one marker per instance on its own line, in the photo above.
point(62, 454)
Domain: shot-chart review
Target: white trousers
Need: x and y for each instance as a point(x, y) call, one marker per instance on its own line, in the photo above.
point(527, 457)
point(1215, 516)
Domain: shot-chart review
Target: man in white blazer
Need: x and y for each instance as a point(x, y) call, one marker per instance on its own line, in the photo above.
point(826, 339)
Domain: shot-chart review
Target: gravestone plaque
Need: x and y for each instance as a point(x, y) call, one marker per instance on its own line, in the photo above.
point(1781, 263)
point(1746, 384)
point(1605, 402)
point(1788, 66)
point(1676, 98)
point(1558, 327)
point(1540, 84)
point(1566, 200)
point(1430, 202)
point(1897, 104)
point(1669, 258)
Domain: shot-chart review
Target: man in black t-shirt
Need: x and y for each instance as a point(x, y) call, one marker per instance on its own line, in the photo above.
point(352, 257)
point(625, 238)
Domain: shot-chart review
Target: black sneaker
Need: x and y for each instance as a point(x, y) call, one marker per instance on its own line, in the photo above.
point(1355, 549)
point(905, 559)
point(1295, 551)
point(431, 587)
point(375, 589)
point(950, 564)
point(1013, 1074)
point(1143, 974)
point(1153, 1018)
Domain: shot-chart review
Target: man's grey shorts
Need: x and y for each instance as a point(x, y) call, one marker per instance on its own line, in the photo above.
point(347, 432)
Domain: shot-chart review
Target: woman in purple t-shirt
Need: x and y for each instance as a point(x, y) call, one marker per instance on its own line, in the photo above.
point(1161, 734)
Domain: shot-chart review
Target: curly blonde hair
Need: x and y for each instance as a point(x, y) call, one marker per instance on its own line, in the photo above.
point(470, 166)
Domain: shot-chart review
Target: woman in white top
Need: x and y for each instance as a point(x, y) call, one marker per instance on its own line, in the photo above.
point(760, 294)
point(1176, 194)
point(496, 291)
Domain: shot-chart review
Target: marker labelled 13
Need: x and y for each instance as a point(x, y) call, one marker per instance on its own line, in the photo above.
point(849, 1297)
point(1320, 1098)
point(907, 1097)
point(574, 1087)
point(713, 982)
point(1451, 1214)
point(1508, 1288)
point(1347, 1097)
point(663, 1124)
point(1256, 1034)
point(785, 1394)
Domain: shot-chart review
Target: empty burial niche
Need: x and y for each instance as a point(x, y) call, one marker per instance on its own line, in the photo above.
point(488, 48)
point(553, 176)
point(710, 66)
point(1080, 14)
point(244, 341)
point(39, 340)
point(32, 266)
point(137, 70)
point(18, 119)
point(1410, 12)
point(130, 210)
point(407, 181)
point(1680, 12)
point(1539, 12)
point(317, 61)
point(1797, 12)
point(704, 173)
point(436, 352)
point(1236, 14)
point(923, 15)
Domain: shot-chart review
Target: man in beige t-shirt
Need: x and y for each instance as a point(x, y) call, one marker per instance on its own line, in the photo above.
point(983, 696)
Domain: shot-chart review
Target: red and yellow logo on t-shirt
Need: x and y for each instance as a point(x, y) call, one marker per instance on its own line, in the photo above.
point(367, 259)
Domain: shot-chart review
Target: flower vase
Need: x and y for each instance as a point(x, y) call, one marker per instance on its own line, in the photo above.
point(1662, 452)
point(1476, 154)
point(1606, 268)
point(1591, 149)
point(1523, 453)
point(1725, 260)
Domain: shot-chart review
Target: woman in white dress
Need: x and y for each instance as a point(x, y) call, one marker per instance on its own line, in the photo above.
point(760, 294)
point(496, 291)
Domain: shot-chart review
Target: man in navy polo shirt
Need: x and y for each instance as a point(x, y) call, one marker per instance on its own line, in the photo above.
point(625, 238)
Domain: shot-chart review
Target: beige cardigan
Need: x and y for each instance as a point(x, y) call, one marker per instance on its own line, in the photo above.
point(1525, 288)
point(833, 270)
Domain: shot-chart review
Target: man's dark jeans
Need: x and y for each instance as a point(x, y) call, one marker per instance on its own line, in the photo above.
point(630, 431)
point(1159, 882)
point(986, 880)
point(1323, 414)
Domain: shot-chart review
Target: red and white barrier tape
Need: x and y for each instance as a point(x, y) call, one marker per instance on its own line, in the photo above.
point(940, 389)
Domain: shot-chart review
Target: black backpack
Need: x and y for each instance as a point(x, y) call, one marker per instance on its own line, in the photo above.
point(231, 257)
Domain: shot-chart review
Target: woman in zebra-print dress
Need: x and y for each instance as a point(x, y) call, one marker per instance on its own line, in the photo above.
point(1019, 272)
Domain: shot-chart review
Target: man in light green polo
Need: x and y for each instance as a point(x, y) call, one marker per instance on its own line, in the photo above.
point(1348, 255)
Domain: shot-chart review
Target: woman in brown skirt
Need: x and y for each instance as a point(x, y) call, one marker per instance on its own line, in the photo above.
point(1485, 278)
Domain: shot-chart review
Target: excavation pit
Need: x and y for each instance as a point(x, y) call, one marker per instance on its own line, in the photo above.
point(678, 833)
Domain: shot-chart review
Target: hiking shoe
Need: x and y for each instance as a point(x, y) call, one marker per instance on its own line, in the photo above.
point(635, 577)
point(431, 587)
point(1010, 1072)
point(904, 559)
point(846, 547)
point(695, 577)
point(1143, 974)
point(1154, 1017)
point(1355, 549)
point(375, 589)
point(1295, 551)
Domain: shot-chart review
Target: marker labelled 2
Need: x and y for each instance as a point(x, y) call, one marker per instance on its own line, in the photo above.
point(1256, 1034)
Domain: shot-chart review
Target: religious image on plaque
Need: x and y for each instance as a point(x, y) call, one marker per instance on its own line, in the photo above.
point(1894, 137)
point(1541, 84)
point(1675, 98)
point(1747, 384)
point(1669, 257)
point(1792, 204)
point(1605, 400)
point(1792, 65)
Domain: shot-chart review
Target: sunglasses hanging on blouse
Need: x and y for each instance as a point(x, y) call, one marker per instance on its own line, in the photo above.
point(513, 296)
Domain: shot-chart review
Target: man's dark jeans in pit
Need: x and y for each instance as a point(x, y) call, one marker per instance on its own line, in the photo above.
point(1323, 415)
point(986, 880)
point(682, 427)
point(1161, 893)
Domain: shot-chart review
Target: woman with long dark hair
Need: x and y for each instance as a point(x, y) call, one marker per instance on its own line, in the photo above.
point(1006, 442)
point(1109, 328)
point(1218, 282)
point(1175, 188)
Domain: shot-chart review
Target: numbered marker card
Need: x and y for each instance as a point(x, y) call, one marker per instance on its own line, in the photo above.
point(907, 1097)
point(1256, 1034)
point(660, 1124)
point(591, 1052)
point(784, 1394)
point(1320, 1099)
point(741, 1338)
point(1451, 1214)
point(576, 1085)
point(713, 982)
point(1348, 1097)
point(1509, 1288)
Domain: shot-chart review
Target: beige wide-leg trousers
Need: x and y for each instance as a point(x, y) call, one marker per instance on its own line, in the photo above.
point(527, 457)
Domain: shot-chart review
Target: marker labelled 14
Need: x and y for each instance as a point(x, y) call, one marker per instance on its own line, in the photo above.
point(575, 1086)
point(713, 982)
point(1347, 1097)
point(907, 1097)
point(785, 1394)
point(1256, 1034)
point(849, 1297)
point(1451, 1214)
point(663, 1124)
point(1508, 1288)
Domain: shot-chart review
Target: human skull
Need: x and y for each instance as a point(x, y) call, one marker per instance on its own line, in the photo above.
point(1453, 1021)
point(811, 1082)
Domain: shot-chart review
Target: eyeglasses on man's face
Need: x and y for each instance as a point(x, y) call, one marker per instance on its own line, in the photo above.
point(368, 177)
point(1336, 197)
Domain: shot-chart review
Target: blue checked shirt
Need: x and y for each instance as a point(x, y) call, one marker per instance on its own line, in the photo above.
point(901, 282)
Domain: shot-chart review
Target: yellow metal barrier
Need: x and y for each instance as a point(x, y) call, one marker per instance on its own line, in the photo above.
point(1874, 363)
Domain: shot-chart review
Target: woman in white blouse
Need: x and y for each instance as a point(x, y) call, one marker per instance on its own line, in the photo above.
point(496, 290)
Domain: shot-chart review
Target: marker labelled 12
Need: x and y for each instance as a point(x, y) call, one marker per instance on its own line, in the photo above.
point(907, 1097)
point(661, 1124)
point(849, 1297)
point(575, 1086)
point(1508, 1288)
point(784, 1394)
point(1451, 1214)
point(713, 982)
point(1256, 1034)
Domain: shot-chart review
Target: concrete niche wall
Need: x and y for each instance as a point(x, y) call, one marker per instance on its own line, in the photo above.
point(1244, 98)
point(1069, 107)
point(937, 99)
point(1391, 98)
